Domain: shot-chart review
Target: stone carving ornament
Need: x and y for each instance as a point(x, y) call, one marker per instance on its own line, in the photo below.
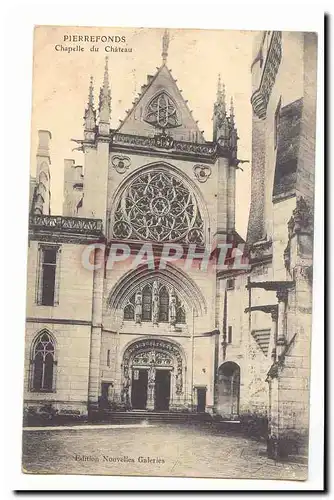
point(179, 382)
point(126, 385)
point(172, 307)
point(173, 310)
point(158, 206)
point(138, 306)
point(152, 358)
point(155, 302)
point(120, 163)
point(151, 352)
point(202, 172)
point(161, 112)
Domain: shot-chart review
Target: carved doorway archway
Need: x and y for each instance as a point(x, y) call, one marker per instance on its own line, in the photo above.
point(229, 389)
point(153, 373)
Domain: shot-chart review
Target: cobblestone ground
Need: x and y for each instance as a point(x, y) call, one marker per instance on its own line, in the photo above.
point(177, 450)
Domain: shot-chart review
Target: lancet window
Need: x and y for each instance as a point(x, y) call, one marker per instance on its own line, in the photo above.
point(43, 361)
point(156, 303)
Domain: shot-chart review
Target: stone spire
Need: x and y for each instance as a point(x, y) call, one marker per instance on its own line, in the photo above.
point(90, 113)
point(165, 45)
point(232, 112)
point(105, 101)
point(219, 110)
point(220, 102)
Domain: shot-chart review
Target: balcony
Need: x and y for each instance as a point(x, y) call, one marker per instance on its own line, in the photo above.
point(66, 225)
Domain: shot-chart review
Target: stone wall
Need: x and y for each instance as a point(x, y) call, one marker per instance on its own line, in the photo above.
point(69, 322)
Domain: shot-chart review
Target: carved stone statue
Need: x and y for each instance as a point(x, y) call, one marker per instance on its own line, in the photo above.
point(151, 356)
point(138, 306)
point(155, 302)
point(151, 375)
point(179, 381)
point(126, 386)
point(172, 307)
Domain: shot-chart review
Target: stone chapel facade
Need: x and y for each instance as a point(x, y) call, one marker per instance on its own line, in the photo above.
point(175, 338)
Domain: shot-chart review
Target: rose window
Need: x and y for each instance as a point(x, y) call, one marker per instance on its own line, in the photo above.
point(157, 206)
point(162, 112)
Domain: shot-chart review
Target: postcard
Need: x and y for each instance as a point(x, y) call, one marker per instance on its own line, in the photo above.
point(169, 292)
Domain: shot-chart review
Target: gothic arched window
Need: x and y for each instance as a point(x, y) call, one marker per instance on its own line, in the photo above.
point(161, 112)
point(129, 312)
point(142, 309)
point(163, 305)
point(158, 206)
point(43, 361)
point(129, 309)
point(147, 303)
point(180, 314)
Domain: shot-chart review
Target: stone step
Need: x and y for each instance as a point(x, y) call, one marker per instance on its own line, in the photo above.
point(149, 416)
point(262, 338)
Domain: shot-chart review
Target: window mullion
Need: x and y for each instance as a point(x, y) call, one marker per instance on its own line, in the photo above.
point(43, 371)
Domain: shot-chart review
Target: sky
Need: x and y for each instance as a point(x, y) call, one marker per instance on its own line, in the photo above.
point(195, 57)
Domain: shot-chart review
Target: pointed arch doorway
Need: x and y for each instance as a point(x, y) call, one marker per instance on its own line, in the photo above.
point(153, 372)
point(229, 390)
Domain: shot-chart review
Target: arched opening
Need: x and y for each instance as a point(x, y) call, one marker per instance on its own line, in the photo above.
point(228, 390)
point(163, 305)
point(153, 375)
point(147, 303)
point(43, 361)
point(184, 295)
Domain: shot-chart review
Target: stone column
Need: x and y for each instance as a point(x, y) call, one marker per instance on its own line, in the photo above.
point(274, 318)
point(95, 340)
point(151, 389)
point(273, 414)
point(282, 296)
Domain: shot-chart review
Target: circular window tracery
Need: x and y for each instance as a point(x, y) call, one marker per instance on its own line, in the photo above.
point(158, 206)
point(161, 112)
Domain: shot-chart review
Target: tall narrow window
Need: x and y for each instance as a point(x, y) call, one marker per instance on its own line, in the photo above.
point(163, 305)
point(43, 361)
point(180, 312)
point(129, 309)
point(47, 275)
point(147, 303)
point(108, 358)
point(276, 124)
point(229, 335)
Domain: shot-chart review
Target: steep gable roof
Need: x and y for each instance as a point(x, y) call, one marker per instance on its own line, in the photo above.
point(135, 122)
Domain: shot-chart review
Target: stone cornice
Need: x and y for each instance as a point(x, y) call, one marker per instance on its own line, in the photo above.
point(267, 309)
point(57, 321)
point(271, 285)
point(162, 145)
point(166, 145)
point(65, 229)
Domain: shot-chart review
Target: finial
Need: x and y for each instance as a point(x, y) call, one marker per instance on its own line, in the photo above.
point(90, 113)
point(91, 92)
point(219, 87)
point(219, 110)
point(106, 77)
point(232, 111)
point(232, 107)
point(165, 44)
point(105, 96)
point(221, 92)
